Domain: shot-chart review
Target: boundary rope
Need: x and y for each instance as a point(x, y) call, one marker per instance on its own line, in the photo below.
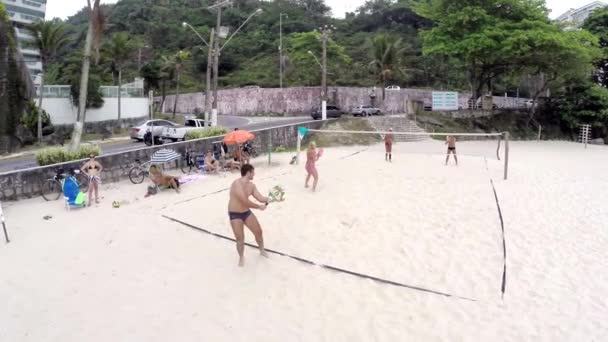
point(502, 227)
point(329, 267)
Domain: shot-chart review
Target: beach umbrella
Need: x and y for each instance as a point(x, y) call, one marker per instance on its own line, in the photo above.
point(165, 155)
point(238, 137)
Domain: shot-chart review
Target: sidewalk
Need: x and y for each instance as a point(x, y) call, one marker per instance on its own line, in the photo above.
point(91, 142)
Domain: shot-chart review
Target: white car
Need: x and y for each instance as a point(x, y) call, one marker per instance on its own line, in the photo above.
point(137, 132)
point(393, 87)
point(176, 133)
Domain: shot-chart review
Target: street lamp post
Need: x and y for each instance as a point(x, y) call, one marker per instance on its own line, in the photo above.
point(209, 65)
point(218, 51)
point(325, 32)
point(281, 48)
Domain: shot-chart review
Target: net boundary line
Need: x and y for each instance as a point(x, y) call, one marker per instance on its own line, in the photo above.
point(504, 244)
point(329, 267)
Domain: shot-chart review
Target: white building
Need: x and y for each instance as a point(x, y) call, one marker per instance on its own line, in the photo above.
point(574, 18)
point(21, 13)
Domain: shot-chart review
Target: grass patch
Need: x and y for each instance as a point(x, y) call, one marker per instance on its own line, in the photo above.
point(344, 139)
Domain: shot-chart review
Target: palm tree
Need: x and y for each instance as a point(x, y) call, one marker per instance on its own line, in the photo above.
point(119, 49)
point(167, 73)
point(386, 54)
point(93, 40)
point(177, 62)
point(49, 37)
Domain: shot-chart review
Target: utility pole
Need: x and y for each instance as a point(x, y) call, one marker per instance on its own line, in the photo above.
point(208, 77)
point(281, 48)
point(216, 55)
point(325, 32)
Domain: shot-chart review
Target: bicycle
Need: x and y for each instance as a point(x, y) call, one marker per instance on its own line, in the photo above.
point(189, 162)
point(53, 187)
point(140, 171)
point(250, 150)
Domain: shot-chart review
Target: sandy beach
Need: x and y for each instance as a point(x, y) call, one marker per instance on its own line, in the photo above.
point(131, 274)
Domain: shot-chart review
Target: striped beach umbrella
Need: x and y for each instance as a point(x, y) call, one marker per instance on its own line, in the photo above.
point(165, 155)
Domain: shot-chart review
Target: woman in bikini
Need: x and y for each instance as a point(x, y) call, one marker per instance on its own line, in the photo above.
point(92, 168)
point(311, 168)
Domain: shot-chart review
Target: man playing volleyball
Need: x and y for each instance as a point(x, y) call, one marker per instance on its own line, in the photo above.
point(451, 142)
point(388, 146)
point(239, 211)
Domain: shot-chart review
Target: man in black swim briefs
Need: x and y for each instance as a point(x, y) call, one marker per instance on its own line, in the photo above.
point(239, 211)
point(451, 142)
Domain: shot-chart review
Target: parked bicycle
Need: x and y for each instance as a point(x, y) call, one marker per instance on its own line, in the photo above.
point(53, 187)
point(139, 171)
point(189, 162)
point(250, 150)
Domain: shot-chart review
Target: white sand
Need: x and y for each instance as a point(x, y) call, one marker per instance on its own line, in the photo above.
point(127, 274)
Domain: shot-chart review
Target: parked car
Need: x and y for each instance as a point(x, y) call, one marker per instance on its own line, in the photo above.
point(365, 111)
point(176, 133)
point(137, 132)
point(393, 87)
point(332, 112)
point(529, 103)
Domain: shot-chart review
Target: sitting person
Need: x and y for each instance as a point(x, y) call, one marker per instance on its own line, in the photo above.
point(210, 163)
point(158, 179)
point(245, 157)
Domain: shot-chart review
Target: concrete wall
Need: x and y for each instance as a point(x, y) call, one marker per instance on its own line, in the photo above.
point(27, 183)
point(302, 100)
point(63, 113)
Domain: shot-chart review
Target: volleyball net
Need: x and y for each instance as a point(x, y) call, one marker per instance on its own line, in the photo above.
point(485, 145)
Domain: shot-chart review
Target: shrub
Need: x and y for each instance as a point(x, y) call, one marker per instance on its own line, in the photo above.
point(280, 149)
point(205, 133)
point(57, 155)
point(30, 118)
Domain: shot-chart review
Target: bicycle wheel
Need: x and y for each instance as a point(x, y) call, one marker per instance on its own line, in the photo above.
point(83, 182)
point(51, 190)
point(185, 165)
point(137, 175)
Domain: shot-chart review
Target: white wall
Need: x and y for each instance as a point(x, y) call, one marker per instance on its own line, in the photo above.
point(63, 113)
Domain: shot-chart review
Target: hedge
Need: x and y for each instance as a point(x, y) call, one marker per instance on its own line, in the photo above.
point(57, 155)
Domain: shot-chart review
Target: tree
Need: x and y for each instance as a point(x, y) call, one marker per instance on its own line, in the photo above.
point(93, 39)
point(305, 65)
point(597, 24)
point(386, 52)
point(478, 32)
point(119, 49)
point(553, 56)
point(176, 64)
point(49, 38)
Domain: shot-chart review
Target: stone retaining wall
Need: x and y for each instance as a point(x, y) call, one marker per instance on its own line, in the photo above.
point(28, 183)
point(301, 100)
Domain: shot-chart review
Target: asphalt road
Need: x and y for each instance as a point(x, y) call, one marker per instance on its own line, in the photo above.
point(229, 122)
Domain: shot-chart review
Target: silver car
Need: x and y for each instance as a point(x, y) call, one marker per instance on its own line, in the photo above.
point(137, 132)
point(365, 111)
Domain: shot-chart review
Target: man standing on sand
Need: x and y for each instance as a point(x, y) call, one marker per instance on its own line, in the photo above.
point(388, 146)
point(451, 142)
point(239, 211)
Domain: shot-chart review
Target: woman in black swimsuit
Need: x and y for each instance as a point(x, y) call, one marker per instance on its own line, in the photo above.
point(92, 168)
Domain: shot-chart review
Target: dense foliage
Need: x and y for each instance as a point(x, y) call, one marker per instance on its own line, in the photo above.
point(482, 46)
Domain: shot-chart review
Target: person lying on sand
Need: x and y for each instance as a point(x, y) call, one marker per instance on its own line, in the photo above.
point(158, 179)
point(239, 211)
point(451, 142)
